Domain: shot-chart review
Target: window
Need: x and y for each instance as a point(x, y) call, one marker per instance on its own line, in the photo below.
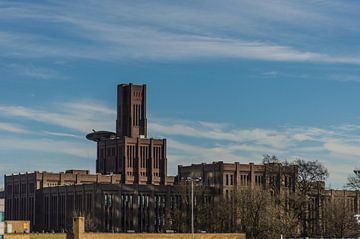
point(88, 202)
point(108, 200)
point(16, 189)
point(258, 179)
point(227, 179)
point(23, 188)
point(231, 179)
point(31, 188)
point(244, 178)
point(9, 189)
point(288, 181)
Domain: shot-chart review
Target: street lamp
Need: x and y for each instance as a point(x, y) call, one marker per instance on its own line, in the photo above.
point(192, 180)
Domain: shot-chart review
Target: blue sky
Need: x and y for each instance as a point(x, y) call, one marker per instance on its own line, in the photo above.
point(227, 80)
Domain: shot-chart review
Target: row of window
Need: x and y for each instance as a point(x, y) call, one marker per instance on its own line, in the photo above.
point(137, 93)
point(157, 156)
point(54, 213)
point(259, 179)
point(144, 154)
point(156, 174)
point(137, 117)
point(131, 153)
point(140, 200)
point(229, 179)
point(244, 179)
point(16, 189)
point(52, 184)
point(20, 208)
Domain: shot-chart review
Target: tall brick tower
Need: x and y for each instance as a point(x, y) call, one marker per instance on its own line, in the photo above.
point(128, 152)
point(131, 111)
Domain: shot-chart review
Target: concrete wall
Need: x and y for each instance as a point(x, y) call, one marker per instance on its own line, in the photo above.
point(79, 233)
point(36, 236)
point(16, 226)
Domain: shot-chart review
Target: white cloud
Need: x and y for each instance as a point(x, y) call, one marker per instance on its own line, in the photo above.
point(12, 128)
point(79, 149)
point(80, 116)
point(60, 134)
point(31, 71)
point(113, 31)
point(278, 139)
point(191, 153)
point(342, 148)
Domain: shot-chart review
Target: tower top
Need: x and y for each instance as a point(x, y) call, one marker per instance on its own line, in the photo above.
point(131, 111)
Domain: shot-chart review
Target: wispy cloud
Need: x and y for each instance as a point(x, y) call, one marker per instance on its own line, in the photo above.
point(30, 71)
point(114, 31)
point(342, 148)
point(13, 128)
point(278, 139)
point(345, 77)
point(66, 135)
point(79, 116)
point(79, 149)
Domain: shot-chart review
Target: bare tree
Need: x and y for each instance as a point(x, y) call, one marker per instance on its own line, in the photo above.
point(310, 184)
point(339, 221)
point(204, 209)
point(261, 217)
point(353, 181)
point(311, 175)
point(270, 159)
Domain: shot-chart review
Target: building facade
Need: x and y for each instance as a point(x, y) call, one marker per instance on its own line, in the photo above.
point(22, 190)
point(225, 178)
point(128, 152)
point(108, 207)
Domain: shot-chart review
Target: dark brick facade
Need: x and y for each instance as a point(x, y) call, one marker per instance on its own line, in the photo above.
point(131, 154)
point(22, 190)
point(131, 111)
point(227, 177)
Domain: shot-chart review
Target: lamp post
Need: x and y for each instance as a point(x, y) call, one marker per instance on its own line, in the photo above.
point(192, 180)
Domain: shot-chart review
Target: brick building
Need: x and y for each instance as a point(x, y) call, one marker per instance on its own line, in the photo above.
point(227, 177)
point(129, 152)
point(23, 190)
point(137, 165)
point(131, 190)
